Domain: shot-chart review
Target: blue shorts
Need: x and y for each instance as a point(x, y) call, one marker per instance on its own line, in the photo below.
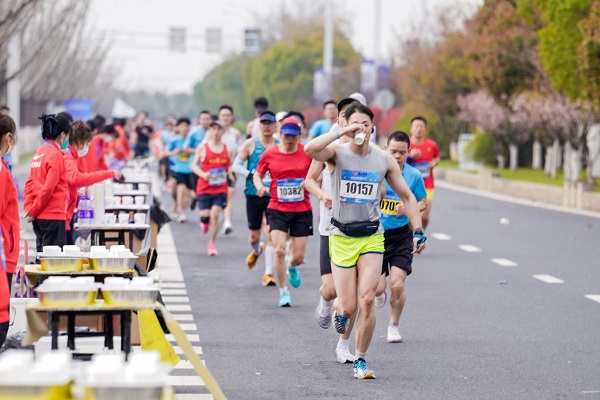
point(208, 201)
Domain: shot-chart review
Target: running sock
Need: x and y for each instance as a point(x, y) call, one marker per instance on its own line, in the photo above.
point(396, 325)
point(283, 289)
point(343, 343)
point(256, 248)
point(327, 303)
point(205, 220)
point(361, 354)
point(269, 260)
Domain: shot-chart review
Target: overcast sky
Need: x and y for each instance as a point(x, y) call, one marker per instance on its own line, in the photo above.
point(138, 32)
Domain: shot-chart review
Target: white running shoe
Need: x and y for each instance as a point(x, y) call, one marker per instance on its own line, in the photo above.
point(227, 227)
point(381, 300)
point(181, 218)
point(323, 313)
point(344, 356)
point(393, 335)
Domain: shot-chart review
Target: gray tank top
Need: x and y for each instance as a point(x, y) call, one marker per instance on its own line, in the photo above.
point(356, 185)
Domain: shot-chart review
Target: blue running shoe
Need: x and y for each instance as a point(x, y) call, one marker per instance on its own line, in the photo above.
point(340, 323)
point(361, 371)
point(285, 300)
point(294, 277)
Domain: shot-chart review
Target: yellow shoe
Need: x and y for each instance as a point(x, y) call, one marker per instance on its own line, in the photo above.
point(253, 258)
point(268, 280)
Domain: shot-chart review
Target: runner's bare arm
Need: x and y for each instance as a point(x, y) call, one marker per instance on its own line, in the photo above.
point(320, 148)
point(311, 182)
point(401, 210)
point(257, 179)
point(198, 158)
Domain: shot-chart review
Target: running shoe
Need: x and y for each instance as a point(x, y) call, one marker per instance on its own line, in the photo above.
point(323, 313)
point(344, 356)
point(227, 227)
point(211, 249)
point(253, 257)
point(381, 300)
point(268, 280)
point(340, 323)
point(361, 371)
point(285, 299)
point(204, 227)
point(181, 218)
point(294, 276)
point(393, 335)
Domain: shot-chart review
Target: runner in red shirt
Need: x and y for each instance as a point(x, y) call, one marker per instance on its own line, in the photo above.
point(212, 164)
point(45, 194)
point(424, 155)
point(289, 211)
point(79, 145)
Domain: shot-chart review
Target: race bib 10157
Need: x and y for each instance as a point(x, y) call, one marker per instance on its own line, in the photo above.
point(359, 186)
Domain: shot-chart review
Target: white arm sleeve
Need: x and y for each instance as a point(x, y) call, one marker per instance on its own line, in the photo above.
point(240, 167)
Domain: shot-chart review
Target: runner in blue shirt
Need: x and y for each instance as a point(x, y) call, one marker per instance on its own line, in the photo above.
point(194, 139)
point(324, 125)
point(181, 168)
point(397, 258)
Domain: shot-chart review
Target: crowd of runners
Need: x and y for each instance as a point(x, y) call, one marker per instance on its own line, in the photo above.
point(374, 201)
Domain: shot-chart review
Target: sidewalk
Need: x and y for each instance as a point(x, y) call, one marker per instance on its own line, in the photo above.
point(571, 197)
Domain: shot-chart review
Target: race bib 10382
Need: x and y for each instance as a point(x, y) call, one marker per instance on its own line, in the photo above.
point(290, 190)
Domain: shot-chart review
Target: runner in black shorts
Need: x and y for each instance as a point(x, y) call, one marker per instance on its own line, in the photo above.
point(245, 165)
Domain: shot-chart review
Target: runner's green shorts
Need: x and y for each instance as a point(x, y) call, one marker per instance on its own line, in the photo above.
point(345, 250)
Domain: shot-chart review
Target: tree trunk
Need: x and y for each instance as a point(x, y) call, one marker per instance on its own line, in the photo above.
point(548, 161)
point(537, 155)
point(513, 152)
point(454, 151)
point(555, 161)
point(500, 160)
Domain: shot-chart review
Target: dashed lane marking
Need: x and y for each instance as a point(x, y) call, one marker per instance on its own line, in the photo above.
point(548, 278)
point(176, 299)
point(172, 285)
point(185, 380)
point(441, 236)
point(593, 297)
point(504, 262)
point(191, 338)
point(469, 248)
point(173, 292)
point(193, 396)
point(197, 349)
point(188, 327)
point(178, 307)
point(183, 317)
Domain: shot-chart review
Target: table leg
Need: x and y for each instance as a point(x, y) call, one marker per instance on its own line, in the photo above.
point(71, 331)
point(108, 331)
point(126, 332)
point(54, 319)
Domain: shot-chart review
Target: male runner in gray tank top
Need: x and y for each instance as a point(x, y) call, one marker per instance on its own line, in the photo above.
point(356, 242)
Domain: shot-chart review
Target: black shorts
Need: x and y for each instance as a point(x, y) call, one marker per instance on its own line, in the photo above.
point(398, 249)
point(255, 210)
point(297, 224)
point(324, 258)
point(194, 181)
point(183, 179)
point(49, 232)
point(207, 201)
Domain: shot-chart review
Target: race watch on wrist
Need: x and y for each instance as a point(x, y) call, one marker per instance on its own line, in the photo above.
point(419, 231)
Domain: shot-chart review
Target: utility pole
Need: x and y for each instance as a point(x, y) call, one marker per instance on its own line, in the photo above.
point(13, 65)
point(328, 49)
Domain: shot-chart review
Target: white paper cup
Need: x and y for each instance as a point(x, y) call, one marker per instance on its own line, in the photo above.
point(139, 218)
point(143, 187)
point(139, 200)
point(110, 219)
point(359, 138)
point(129, 187)
point(127, 200)
point(123, 218)
point(52, 250)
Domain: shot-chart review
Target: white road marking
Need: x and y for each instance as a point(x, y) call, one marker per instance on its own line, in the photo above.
point(190, 380)
point(176, 299)
point(183, 317)
point(173, 292)
point(185, 364)
point(548, 278)
point(179, 350)
point(188, 327)
point(504, 262)
point(191, 338)
point(176, 285)
point(194, 396)
point(469, 248)
point(593, 297)
point(178, 307)
point(441, 236)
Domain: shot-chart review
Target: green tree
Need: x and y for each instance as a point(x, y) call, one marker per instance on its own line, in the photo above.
point(559, 41)
point(589, 54)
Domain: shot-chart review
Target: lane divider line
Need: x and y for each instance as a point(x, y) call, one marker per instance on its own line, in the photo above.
point(593, 297)
point(469, 248)
point(548, 278)
point(441, 236)
point(504, 262)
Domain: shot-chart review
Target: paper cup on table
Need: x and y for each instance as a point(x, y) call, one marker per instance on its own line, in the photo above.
point(123, 219)
point(143, 187)
point(139, 218)
point(139, 200)
point(127, 200)
point(129, 187)
point(110, 219)
point(52, 250)
point(71, 250)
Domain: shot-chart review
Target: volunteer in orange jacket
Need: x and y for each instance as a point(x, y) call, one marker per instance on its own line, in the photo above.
point(45, 196)
point(9, 222)
point(79, 145)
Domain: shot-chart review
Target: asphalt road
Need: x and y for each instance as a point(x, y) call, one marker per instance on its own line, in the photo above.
point(474, 328)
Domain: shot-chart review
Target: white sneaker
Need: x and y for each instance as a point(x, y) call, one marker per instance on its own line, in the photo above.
point(344, 355)
point(227, 227)
point(381, 300)
point(181, 218)
point(323, 313)
point(393, 335)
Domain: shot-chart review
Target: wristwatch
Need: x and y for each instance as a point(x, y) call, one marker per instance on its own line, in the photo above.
point(419, 231)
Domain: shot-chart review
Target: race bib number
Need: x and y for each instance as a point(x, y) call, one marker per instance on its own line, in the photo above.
point(217, 176)
point(388, 208)
point(290, 190)
point(423, 168)
point(359, 186)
